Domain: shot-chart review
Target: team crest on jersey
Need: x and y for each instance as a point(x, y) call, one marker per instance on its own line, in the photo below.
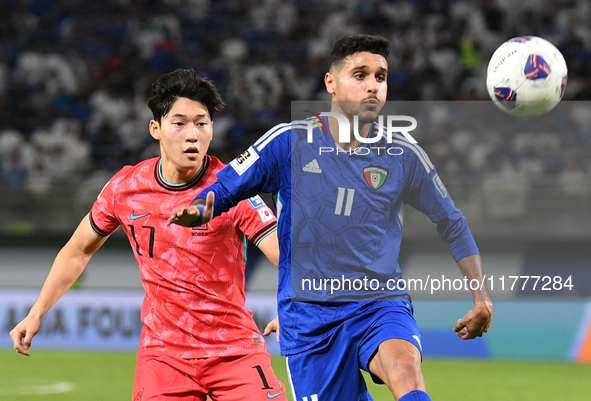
point(375, 176)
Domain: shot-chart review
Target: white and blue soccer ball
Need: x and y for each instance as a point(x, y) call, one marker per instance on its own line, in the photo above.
point(526, 76)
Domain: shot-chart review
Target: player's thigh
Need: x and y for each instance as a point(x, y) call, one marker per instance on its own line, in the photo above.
point(392, 322)
point(162, 377)
point(245, 378)
point(328, 372)
point(398, 364)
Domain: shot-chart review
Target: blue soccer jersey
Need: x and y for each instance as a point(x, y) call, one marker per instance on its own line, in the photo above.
point(339, 224)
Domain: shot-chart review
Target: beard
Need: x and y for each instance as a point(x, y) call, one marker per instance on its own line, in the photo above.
point(367, 112)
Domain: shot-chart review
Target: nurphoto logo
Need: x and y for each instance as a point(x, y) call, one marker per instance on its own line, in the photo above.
point(345, 127)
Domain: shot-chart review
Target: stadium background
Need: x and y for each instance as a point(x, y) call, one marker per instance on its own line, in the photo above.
point(74, 76)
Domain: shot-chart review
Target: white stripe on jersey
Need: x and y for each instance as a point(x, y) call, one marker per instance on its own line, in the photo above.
point(275, 128)
point(279, 206)
point(293, 394)
point(266, 134)
point(270, 135)
point(426, 163)
point(415, 148)
point(401, 210)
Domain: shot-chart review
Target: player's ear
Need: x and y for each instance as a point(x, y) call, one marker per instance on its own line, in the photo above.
point(155, 130)
point(329, 81)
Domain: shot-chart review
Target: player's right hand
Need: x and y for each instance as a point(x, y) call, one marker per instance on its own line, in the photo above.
point(23, 333)
point(186, 216)
point(476, 322)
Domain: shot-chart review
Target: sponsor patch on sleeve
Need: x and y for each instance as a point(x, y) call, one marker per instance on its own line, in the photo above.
point(265, 214)
point(440, 187)
point(244, 161)
point(256, 202)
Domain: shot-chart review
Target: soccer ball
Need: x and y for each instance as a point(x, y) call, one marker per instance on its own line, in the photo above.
point(526, 76)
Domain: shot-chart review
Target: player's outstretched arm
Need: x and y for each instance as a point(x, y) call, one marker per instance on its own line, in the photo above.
point(67, 267)
point(196, 214)
point(270, 247)
point(477, 321)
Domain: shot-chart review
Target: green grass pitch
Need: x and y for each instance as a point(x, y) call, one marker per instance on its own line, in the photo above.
point(94, 376)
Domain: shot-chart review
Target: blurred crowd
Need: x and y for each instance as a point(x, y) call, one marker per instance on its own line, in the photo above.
point(75, 74)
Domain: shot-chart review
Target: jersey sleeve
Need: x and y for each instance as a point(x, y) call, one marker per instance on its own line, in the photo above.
point(102, 215)
point(254, 218)
point(428, 194)
point(257, 170)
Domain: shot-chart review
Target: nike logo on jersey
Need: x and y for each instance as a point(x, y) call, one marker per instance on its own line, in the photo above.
point(138, 216)
point(313, 167)
point(270, 396)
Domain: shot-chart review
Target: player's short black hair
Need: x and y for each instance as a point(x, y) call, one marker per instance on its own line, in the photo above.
point(349, 45)
point(183, 83)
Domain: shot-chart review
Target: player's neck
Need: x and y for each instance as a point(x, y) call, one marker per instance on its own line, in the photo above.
point(173, 174)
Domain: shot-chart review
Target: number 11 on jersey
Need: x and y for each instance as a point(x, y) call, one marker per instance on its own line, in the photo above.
point(350, 194)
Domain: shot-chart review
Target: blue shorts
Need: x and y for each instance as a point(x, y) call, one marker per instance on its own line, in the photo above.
point(331, 369)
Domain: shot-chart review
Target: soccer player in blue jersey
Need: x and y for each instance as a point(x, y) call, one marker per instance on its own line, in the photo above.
point(338, 201)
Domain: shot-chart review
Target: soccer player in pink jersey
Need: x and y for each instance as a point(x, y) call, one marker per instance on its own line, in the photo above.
point(198, 338)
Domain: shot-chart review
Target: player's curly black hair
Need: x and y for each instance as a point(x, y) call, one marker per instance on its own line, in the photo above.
point(183, 83)
point(355, 44)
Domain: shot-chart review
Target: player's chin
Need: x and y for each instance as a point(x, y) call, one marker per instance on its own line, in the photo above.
point(369, 114)
point(192, 158)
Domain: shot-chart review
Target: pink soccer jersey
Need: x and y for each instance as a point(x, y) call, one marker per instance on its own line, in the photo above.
point(193, 277)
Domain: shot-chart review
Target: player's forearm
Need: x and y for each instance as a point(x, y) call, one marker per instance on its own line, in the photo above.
point(67, 267)
point(471, 268)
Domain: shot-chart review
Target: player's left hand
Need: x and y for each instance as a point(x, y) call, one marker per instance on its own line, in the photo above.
point(476, 322)
point(273, 326)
